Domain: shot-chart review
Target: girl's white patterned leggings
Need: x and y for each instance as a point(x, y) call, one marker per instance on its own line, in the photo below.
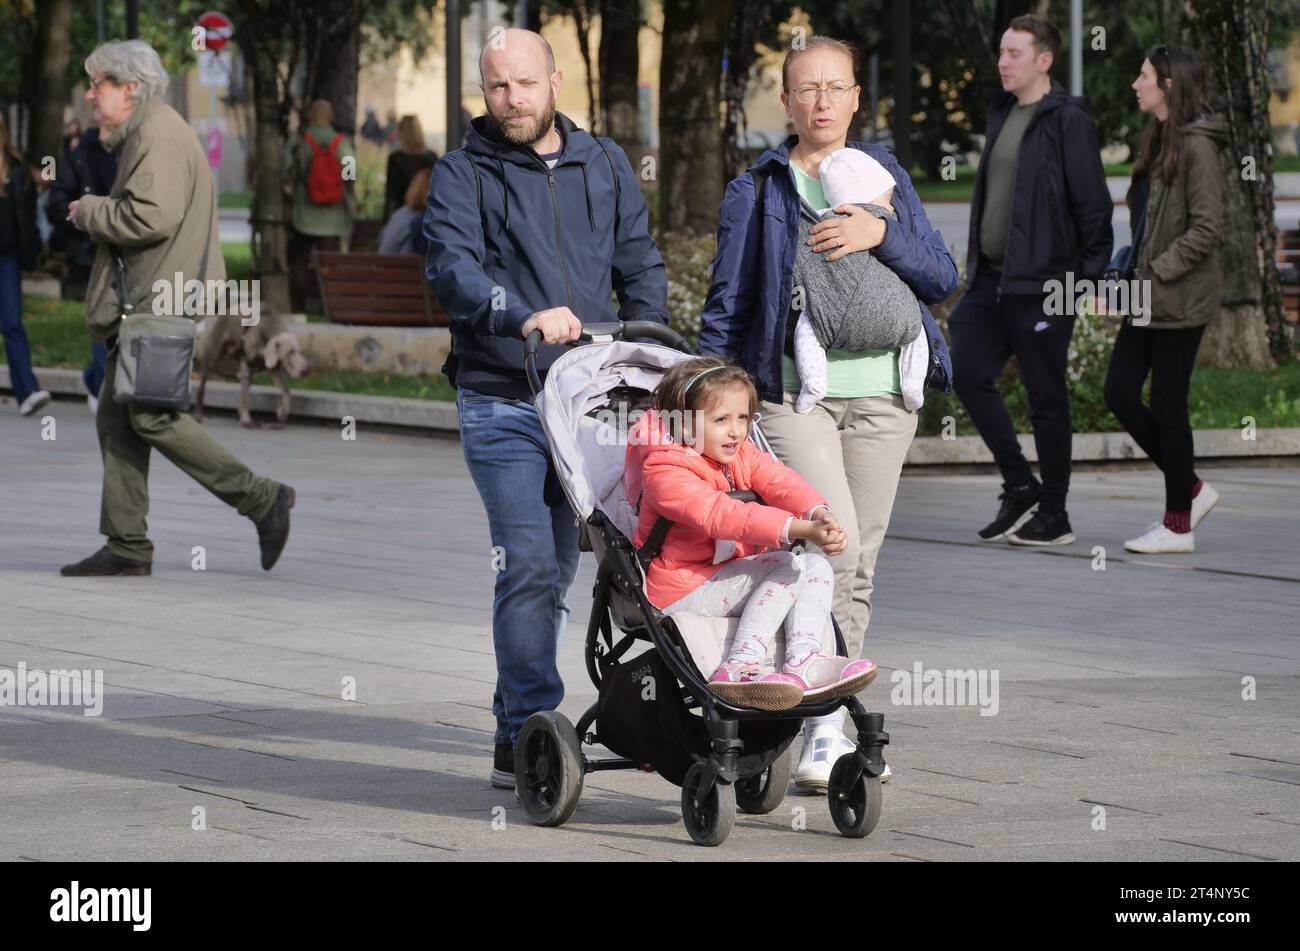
point(767, 590)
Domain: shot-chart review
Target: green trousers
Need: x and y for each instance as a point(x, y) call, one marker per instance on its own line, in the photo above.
point(128, 433)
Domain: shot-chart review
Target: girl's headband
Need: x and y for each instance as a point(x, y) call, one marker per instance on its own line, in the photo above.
point(705, 372)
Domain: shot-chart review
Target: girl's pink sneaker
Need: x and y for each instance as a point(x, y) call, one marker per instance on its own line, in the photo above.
point(751, 684)
point(826, 676)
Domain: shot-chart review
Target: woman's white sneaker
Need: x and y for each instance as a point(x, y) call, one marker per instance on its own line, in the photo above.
point(34, 402)
point(1159, 540)
point(1205, 500)
point(820, 751)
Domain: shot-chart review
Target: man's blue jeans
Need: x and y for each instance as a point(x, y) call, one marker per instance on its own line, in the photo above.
point(535, 553)
point(93, 375)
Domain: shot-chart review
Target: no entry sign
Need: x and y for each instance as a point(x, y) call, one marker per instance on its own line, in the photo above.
point(218, 30)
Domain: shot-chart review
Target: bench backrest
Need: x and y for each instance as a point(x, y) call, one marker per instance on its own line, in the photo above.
point(386, 290)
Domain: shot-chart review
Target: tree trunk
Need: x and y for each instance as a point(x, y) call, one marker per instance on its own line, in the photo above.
point(271, 106)
point(746, 22)
point(1231, 39)
point(50, 89)
point(582, 22)
point(690, 128)
point(620, 24)
point(332, 75)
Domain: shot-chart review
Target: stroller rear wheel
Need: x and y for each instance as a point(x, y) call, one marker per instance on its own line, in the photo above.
point(855, 805)
point(708, 817)
point(761, 793)
point(548, 768)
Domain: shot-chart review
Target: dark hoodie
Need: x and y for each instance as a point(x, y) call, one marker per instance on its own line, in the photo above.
point(509, 237)
point(1060, 206)
point(1178, 250)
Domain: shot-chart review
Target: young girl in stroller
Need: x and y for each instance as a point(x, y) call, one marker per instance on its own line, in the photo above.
point(724, 557)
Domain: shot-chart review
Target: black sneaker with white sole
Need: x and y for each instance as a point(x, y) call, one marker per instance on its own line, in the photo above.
point(1045, 528)
point(1015, 511)
point(503, 766)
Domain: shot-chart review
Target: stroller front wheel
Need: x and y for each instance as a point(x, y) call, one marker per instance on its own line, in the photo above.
point(709, 817)
point(855, 805)
point(548, 768)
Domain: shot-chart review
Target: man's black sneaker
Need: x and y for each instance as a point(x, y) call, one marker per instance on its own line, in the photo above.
point(1014, 512)
point(273, 529)
point(1045, 528)
point(503, 766)
point(104, 562)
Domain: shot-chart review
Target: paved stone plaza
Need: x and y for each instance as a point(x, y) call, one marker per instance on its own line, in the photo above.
point(1120, 690)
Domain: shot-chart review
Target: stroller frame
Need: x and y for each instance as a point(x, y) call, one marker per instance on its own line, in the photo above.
point(550, 762)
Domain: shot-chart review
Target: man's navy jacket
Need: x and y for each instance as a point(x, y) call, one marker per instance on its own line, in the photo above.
point(509, 237)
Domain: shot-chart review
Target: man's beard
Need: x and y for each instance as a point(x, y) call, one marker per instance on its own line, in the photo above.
point(526, 133)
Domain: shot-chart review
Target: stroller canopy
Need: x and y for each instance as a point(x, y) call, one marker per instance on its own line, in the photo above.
point(587, 429)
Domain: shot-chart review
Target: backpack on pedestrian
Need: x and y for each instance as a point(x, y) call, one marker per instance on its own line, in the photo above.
point(325, 175)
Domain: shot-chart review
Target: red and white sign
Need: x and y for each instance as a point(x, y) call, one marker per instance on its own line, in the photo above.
point(218, 30)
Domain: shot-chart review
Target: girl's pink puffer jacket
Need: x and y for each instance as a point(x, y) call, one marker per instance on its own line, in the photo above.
point(691, 489)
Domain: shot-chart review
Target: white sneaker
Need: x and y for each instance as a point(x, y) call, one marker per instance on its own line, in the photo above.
point(1205, 500)
point(93, 403)
point(820, 751)
point(36, 401)
point(1159, 540)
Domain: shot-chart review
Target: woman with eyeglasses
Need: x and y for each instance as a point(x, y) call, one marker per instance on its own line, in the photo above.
point(1175, 202)
point(852, 443)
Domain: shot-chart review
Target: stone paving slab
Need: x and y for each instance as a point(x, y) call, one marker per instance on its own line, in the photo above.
point(1119, 689)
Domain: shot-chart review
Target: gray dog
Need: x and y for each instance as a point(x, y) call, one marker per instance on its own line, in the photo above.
point(231, 350)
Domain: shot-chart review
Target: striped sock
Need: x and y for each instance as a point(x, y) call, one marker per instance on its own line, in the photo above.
point(1178, 522)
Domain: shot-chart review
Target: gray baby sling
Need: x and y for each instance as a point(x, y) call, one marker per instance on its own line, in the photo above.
point(858, 302)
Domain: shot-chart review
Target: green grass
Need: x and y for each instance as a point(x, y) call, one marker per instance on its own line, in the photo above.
point(242, 199)
point(1218, 399)
point(959, 189)
point(433, 387)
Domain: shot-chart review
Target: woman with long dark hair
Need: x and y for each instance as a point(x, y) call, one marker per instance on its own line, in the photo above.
point(1176, 205)
point(19, 245)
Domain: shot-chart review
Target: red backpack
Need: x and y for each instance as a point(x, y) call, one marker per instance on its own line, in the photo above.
point(325, 177)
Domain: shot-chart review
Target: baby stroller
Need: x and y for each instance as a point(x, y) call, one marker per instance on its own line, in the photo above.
point(654, 710)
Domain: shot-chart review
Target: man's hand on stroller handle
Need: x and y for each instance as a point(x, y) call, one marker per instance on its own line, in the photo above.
point(557, 325)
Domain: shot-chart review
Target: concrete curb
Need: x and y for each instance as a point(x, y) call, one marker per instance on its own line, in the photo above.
point(439, 416)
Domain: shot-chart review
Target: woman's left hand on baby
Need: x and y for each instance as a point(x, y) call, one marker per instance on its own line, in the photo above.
point(860, 231)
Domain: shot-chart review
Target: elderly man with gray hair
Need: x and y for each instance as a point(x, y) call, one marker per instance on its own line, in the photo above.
point(158, 223)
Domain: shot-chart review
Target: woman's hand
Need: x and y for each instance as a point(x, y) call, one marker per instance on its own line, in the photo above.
point(860, 231)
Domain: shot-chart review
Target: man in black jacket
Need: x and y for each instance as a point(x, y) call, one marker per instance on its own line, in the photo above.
point(532, 225)
point(87, 169)
point(1040, 211)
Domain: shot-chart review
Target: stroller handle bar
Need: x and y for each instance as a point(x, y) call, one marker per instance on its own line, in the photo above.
point(605, 333)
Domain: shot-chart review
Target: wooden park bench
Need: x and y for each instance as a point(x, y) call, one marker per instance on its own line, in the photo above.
point(384, 290)
point(1288, 252)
